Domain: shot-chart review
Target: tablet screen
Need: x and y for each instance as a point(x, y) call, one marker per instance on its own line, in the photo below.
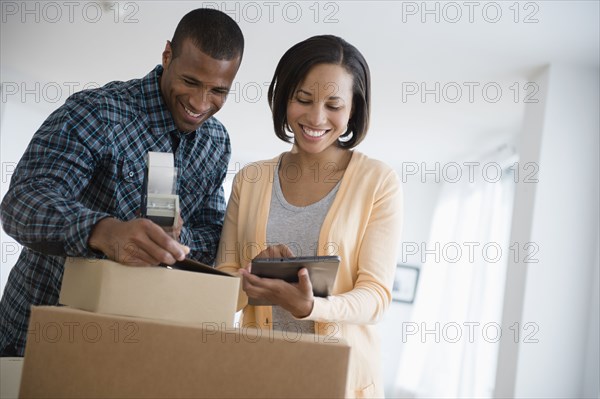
point(321, 270)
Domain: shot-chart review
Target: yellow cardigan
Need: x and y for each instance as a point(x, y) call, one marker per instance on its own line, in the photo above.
point(362, 227)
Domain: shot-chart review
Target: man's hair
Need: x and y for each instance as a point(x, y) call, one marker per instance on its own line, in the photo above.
point(212, 31)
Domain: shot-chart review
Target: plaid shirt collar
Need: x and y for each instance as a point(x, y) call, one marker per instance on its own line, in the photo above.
point(159, 116)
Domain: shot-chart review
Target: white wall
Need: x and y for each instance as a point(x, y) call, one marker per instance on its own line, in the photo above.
point(591, 383)
point(420, 199)
point(560, 291)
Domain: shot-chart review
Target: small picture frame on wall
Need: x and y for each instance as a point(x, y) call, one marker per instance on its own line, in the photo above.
point(405, 283)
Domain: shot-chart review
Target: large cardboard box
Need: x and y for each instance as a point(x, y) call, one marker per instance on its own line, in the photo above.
point(10, 376)
point(104, 286)
point(77, 354)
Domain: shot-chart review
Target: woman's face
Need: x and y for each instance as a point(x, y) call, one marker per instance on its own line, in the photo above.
point(319, 110)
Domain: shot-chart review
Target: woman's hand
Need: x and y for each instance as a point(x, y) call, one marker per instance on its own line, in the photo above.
point(295, 298)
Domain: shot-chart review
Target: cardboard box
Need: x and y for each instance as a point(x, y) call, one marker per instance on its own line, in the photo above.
point(10, 376)
point(76, 354)
point(108, 287)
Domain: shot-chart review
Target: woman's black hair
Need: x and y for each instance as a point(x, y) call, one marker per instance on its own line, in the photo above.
point(295, 65)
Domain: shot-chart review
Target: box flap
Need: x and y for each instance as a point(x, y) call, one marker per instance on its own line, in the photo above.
point(191, 265)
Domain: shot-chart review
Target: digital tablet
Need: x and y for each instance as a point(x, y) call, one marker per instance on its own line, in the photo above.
point(321, 270)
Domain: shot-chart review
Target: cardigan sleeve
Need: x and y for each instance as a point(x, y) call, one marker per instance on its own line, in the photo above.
point(228, 254)
point(228, 258)
point(367, 300)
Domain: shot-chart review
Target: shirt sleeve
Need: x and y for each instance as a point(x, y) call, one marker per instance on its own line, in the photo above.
point(370, 296)
point(40, 209)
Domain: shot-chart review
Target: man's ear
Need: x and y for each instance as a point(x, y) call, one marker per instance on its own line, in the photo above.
point(167, 55)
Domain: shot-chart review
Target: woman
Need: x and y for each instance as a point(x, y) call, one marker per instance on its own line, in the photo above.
point(320, 198)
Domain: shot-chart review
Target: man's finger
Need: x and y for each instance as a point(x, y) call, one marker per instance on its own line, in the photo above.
point(165, 243)
point(136, 256)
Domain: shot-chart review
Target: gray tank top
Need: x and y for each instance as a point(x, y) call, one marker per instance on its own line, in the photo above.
point(298, 228)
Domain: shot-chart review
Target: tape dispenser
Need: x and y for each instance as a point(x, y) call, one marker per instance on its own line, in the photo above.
point(159, 201)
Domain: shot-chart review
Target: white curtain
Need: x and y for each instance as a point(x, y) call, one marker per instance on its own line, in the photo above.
point(450, 345)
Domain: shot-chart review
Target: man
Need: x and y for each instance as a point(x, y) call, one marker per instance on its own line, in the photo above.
point(77, 189)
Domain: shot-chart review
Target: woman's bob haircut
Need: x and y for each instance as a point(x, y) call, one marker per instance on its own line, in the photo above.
point(296, 64)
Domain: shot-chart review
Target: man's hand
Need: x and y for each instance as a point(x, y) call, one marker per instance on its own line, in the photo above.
point(175, 231)
point(138, 242)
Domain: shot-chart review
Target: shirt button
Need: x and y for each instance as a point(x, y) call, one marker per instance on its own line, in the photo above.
point(131, 174)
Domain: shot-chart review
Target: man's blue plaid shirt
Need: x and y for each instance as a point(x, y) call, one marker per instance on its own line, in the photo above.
point(86, 162)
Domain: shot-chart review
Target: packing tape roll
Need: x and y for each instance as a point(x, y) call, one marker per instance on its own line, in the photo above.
point(161, 173)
